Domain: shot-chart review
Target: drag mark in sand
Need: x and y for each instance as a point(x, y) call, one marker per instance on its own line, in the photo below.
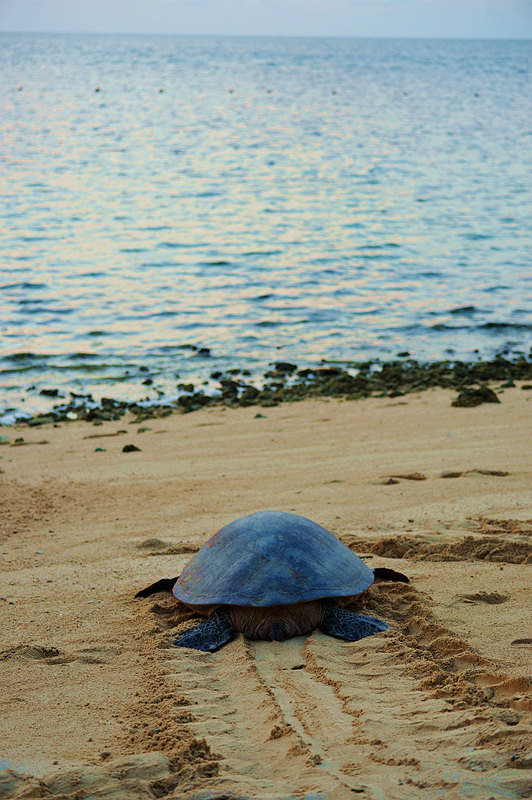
point(413, 713)
point(394, 716)
point(406, 715)
point(262, 753)
point(504, 541)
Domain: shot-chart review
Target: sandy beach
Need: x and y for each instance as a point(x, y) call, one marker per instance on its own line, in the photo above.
point(97, 703)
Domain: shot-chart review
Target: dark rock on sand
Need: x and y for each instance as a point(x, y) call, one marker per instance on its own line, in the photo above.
point(285, 366)
point(192, 402)
point(474, 397)
point(286, 383)
point(41, 419)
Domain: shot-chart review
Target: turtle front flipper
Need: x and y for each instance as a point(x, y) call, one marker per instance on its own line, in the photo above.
point(345, 624)
point(209, 635)
point(164, 585)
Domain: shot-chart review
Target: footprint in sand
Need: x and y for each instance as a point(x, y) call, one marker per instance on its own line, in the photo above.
point(389, 480)
point(96, 655)
point(410, 476)
point(497, 473)
point(146, 775)
point(492, 598)
point(158, 547)
point(50, 655)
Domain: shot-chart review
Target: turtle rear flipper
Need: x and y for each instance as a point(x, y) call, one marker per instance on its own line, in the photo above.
point(345, 624)
point(209, 635)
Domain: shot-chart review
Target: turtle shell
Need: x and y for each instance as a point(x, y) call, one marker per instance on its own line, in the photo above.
point(271, 558)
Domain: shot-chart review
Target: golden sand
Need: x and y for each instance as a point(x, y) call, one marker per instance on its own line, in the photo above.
point(95, 702)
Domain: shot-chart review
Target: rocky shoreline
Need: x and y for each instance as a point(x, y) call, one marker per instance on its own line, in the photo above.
point(285, 382)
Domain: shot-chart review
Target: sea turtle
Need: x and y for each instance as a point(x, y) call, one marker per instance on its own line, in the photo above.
point(273, 575)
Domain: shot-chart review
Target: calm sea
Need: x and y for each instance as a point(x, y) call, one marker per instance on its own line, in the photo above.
point(176, 206)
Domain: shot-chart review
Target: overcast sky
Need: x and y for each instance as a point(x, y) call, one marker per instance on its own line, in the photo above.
point(440, 18)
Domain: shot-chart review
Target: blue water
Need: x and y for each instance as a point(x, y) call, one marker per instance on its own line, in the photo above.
point(176, 206)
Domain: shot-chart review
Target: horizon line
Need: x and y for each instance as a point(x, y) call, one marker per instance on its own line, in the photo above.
point(271, 35)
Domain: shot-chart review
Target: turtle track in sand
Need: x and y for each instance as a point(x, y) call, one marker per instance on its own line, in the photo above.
point(504, 541)
point(419, 712)
point(304, 718)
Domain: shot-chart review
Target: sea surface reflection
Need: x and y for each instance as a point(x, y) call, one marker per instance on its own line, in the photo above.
point(256, 198)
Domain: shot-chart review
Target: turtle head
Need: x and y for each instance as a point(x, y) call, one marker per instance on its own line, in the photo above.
point(276, 623)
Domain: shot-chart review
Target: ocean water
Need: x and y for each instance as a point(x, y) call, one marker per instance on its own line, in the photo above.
point(174, 206)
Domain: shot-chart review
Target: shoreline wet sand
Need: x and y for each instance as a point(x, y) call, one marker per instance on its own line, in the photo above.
point(97, 703)
point(286, 382)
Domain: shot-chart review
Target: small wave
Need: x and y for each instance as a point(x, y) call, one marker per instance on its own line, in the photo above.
point(320, 315)
point(189, 326)
point(504, 326)
point(82, 356)
point(323, 260)
point(16, 357)
point(441, 326)
point(29, 239)
point(262, 253)
point(34, 307)
point(33, 302)
point(162, 314)
point(382, 246)
point(466, 310)
point(220, 263)
point(176, 348)
point(476, 237)
point(284, 323)
point(363, 312)
point(24, 285)
point(181, 245)
point(161, 264)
